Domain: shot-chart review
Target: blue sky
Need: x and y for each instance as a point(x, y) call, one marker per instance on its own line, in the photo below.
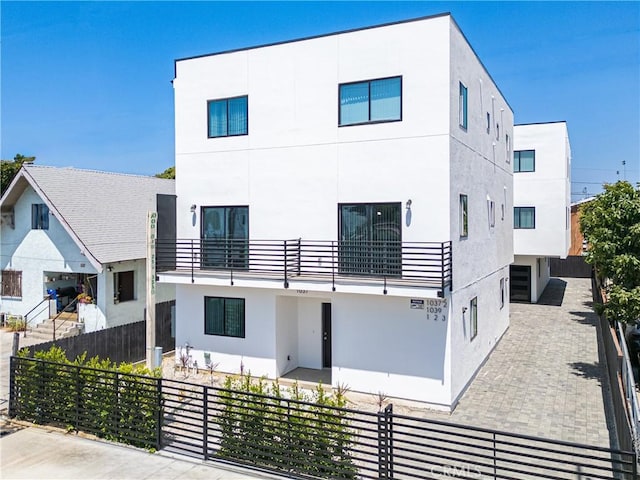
point(88, 84)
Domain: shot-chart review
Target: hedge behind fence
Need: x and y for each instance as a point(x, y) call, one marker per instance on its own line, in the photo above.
point(117, 402)
point(259, 425)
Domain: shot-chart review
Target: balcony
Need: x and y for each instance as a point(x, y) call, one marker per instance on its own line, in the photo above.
point(384, 263)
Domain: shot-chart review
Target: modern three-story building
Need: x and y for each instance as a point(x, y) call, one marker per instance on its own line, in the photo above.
point(344, 202)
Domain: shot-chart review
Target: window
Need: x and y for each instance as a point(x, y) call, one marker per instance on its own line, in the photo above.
point(524, 161)
point(464, 216)
point(370, 239)
point(501, 293)
point(228, 117)
point(488, 122)
point(225, 237)
point(497, 131)
point(371, 101)
point(11, 283)
point(123, 287)
point(462, 105)
point(224, 316)
point(491, 209)
point(507, 143)
point(524, 217)
point(39, 216)
point(473, 317)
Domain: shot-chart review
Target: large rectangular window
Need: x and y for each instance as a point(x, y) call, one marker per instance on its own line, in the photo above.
point(524, 161)
point(39, 216)
point(371, 101)
point(228, 117)
point(464, 216)
point(11, 283)
point(524, 217)
point(473, 317)
point(224, 316)
point(225, 237)
point(370, 239)
point(462, 105)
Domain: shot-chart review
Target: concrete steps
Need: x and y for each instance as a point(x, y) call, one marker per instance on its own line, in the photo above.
point(67, 325)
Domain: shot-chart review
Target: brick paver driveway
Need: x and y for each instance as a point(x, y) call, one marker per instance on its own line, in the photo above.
point(545, 377)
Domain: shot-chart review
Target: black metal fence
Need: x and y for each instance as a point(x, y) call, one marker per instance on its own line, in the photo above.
point(613, 353)
point(125, 343)
point(403, 263)
point(304, 440)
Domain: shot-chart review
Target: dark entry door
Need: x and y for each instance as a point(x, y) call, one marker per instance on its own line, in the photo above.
point(326, 335)
point(520, 281)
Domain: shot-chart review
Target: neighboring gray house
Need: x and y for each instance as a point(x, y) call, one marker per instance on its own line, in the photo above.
point(71, 231)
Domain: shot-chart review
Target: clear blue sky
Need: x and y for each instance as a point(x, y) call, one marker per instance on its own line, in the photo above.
point(88, 84)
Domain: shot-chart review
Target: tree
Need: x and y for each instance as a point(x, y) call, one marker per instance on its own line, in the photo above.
point(168, 173)
point(611, 225)
point(10, 168)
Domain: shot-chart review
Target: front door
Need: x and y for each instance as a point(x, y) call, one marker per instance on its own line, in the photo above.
point(326, 335)
point(520, 282)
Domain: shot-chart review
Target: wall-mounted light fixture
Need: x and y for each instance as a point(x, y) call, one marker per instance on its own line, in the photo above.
point(408, 205)
point(464, 310)
point(193, 208)
point(110, 268)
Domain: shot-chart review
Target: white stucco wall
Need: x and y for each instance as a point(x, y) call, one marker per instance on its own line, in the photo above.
point(548, 189)
point(469, 354)
point(257, 351)
point(296, 164)
point(34, 252)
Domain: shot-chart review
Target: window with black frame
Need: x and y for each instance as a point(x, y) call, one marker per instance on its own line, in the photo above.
point(370, 239)
point(224, 316)
point(225, 237)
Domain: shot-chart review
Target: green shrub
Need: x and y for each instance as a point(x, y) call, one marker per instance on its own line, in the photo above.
point(117, 402)
point(306, 433)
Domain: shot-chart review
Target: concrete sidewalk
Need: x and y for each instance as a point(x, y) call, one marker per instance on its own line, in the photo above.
point(41, 453)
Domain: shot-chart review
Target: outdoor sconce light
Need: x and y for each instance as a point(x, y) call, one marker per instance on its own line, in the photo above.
point(464, 310)
point(408, 206)
point(193, 208)
point(110, 268)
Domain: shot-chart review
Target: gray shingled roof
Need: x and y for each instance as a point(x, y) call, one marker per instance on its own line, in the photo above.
point(107, 211)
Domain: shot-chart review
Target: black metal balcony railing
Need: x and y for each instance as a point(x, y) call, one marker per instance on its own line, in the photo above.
point(399, 263)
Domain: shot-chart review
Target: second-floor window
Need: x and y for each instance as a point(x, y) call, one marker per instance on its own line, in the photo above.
point(39, 216)
point(524, 161)
point(228, 117)
point(225, 237)
point(371, 101)
point(524, 217)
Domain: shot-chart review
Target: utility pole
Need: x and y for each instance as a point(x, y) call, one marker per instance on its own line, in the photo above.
point(152, 223)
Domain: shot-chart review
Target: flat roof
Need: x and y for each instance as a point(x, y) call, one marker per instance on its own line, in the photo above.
point(340, 32)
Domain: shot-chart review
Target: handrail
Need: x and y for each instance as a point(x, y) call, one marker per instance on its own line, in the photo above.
point(410, 263)
point(26, 320)
point(628, 382)
point(75, 300)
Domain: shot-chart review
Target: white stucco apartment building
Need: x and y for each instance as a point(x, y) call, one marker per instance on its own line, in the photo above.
point(344, 203)
point(69, 230)
point(542, 203)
